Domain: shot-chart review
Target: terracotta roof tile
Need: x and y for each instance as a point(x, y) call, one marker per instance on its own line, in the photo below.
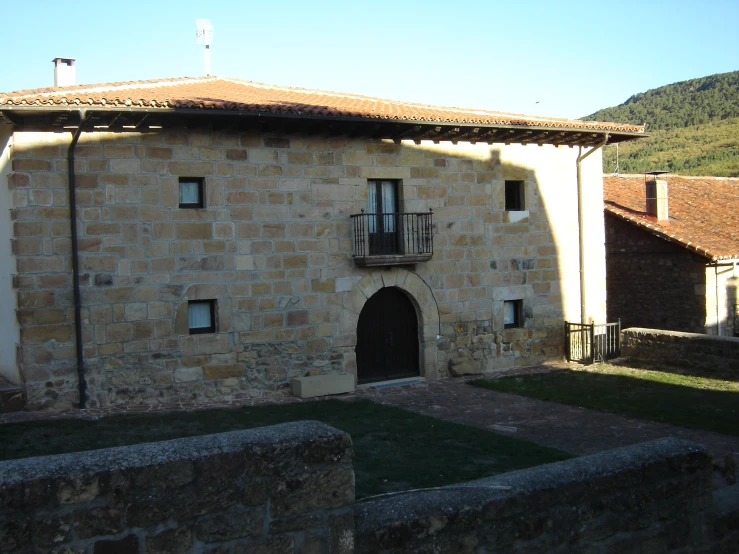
point(703, 211)
point(216, 93)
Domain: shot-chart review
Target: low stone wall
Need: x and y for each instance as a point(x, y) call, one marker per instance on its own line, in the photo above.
point(711, 354)
point(282, 489)
point(654, 497)
point(289, 489)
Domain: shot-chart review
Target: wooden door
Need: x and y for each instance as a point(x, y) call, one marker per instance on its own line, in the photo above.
point(387, 338)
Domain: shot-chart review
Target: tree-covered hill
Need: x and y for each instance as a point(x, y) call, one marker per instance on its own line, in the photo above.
point(694, 126)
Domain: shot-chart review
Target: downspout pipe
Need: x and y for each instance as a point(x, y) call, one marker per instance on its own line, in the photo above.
point(580, 221)
point(75, 262)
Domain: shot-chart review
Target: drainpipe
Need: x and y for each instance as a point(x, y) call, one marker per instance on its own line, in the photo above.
point(580, 225)
point(75, 262)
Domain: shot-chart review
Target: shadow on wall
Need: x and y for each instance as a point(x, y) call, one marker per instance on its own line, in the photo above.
point(273, 247)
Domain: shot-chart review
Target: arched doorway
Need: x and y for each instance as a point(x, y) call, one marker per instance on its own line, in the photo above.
point(387, 338)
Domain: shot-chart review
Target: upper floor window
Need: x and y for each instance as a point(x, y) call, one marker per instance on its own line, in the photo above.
point(514, 196)
point(192, 192)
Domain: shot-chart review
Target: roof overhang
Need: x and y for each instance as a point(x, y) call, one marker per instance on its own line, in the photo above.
point(136, 119)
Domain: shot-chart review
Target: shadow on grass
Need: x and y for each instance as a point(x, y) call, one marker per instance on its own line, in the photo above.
point(394, 449)
point(682, 400)
point(708, 372)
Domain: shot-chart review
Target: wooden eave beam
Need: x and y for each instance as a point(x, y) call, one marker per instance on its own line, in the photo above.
point(429, 134)
point(451, 134)
point(409, 133)
point(517, 136)
point(537, 138)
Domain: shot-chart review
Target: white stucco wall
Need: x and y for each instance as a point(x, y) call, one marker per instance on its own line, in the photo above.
point(721, 293)
point(9, 329)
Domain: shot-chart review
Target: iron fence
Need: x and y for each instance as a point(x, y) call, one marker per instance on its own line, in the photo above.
point(586, 343)
point(393, 233)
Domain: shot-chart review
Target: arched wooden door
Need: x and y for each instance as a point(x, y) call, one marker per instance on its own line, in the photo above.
point(387, 338)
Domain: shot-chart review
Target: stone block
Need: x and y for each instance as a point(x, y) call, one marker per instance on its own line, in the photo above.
point(223, 371)
point(322, 385)
point(188, 374)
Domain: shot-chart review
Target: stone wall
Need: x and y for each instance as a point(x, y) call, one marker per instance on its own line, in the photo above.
point(651, 282)
point(715, 356)
point(654, 497)
point(282, 489)
point(289, 489)
point(273, 247)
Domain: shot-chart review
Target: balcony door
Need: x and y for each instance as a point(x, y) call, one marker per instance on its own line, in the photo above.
point(383, 221)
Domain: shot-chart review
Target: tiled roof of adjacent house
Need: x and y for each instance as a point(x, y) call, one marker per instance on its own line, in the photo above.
point(216, 93)
point(703, 211)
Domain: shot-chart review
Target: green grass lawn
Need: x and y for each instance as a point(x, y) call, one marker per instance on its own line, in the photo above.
point(394, 449)
point(684, 400)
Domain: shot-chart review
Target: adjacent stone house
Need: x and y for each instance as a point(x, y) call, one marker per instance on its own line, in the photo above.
point(672, 249)
point(231, 236)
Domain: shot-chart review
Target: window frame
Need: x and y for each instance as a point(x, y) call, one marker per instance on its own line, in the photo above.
point(516, 195)
point(517, 314)
point(201, 193)
point(202, 330)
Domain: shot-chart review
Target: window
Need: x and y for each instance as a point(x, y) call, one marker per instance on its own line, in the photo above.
point(382, 204)
point(512, 313)
point(201, 316)
point(514, 196)
point(191, 192)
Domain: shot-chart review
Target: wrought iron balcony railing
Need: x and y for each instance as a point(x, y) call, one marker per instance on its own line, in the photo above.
point(392, 238)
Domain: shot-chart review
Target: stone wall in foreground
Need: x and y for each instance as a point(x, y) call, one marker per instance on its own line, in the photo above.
point(653, 497)
point(710, 354)
point(289, 489)
point(282, 489)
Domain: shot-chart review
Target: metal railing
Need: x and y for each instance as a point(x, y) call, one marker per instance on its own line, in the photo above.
point(589, 342)
point(377, 234)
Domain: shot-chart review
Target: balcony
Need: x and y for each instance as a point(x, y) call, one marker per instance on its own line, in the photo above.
point(382, 239)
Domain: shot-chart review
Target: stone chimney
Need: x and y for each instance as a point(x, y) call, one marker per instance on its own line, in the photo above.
point(64, 72)
point(656, 192)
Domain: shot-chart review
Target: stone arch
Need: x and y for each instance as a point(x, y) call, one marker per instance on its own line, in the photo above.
point(420, 295)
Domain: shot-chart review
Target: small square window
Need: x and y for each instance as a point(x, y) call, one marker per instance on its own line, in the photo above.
point(191, 192)
point(201, 316)
point(512, 313)
point(514, 196)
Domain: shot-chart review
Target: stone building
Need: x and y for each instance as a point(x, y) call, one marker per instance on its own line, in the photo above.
point(671, 252)
point(231, 236)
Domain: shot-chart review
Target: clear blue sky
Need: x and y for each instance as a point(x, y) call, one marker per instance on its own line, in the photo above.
point(572, 57)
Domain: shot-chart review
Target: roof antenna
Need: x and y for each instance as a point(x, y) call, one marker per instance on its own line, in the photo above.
point(204, 35)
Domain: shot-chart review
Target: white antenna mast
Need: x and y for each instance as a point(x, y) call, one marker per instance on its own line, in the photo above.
point(204, 35)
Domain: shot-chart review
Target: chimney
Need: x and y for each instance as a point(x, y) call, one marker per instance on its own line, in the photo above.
point(64, 72)
point(656, 193)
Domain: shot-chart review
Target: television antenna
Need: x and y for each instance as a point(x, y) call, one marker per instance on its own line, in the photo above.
point(204, 36)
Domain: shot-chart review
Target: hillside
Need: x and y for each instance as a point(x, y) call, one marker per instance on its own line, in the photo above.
point(694, 126)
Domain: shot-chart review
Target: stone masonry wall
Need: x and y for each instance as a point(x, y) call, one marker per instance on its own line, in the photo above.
point(273, 246)
point(283, 489)
point(714, 356)
point(653, 497)
point(651, 282)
